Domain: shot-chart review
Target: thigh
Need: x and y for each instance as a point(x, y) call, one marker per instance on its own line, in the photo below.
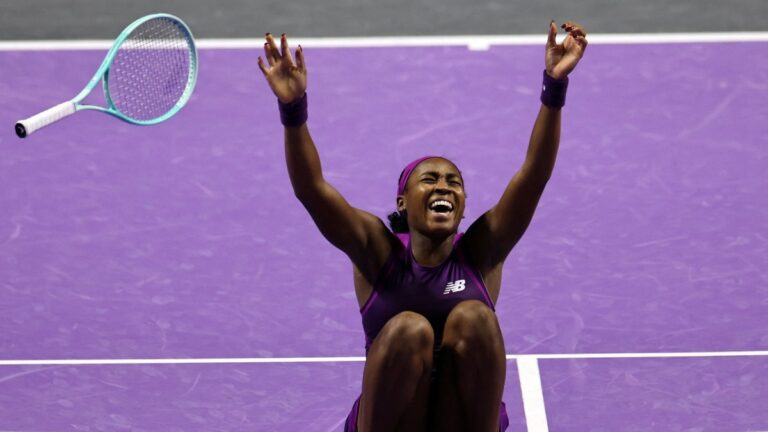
point(397, 376)
point(471, 371)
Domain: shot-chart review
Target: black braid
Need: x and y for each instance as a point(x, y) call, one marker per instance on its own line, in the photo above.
point(398, 221)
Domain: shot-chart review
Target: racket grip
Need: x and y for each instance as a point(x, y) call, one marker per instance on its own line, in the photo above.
point(28, 126)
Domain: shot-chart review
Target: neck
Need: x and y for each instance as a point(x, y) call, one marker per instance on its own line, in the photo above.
point(431, 251)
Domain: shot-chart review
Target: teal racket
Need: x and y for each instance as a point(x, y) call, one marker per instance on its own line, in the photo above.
point(148, 75)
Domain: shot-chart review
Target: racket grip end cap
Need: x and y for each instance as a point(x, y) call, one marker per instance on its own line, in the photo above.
point(21, 131)
point(28, 126)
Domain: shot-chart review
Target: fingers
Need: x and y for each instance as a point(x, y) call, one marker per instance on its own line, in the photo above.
point(284, 50)
point(268, 55)
point(270, 50)
point(576, 33)
point(300, 60)
point(275, 55)
point(582, 41)
point(574, 29)
point(552, 36)
point(263, 67)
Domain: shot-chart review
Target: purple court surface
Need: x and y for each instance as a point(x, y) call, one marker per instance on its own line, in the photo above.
point(184, 240)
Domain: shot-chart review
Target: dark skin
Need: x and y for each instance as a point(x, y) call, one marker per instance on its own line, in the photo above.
point(397, 392)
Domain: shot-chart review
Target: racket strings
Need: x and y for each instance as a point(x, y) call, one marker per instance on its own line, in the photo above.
point(151, 70)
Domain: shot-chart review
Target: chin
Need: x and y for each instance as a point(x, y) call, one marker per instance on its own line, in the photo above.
point(441, 230)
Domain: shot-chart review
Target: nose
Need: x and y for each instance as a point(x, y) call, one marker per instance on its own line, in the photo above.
point(441, 185)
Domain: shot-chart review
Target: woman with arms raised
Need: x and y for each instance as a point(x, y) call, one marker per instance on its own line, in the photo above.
point(435, 354)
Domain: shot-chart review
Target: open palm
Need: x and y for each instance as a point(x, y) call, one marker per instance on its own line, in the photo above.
point(288, 80)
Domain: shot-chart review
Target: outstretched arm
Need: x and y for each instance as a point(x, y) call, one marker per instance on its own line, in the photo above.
point(498, 230)
point(357, 233)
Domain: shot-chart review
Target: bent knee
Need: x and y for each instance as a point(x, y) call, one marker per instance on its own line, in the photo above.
point(470, 314)
point(407, 331)
point(472, 321)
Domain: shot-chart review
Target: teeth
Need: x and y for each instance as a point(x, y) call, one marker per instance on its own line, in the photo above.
point(441, 203)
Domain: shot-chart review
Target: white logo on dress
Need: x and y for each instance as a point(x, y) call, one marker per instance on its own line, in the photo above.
point(455, 287)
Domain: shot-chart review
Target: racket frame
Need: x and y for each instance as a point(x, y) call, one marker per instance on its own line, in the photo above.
point(102, 74)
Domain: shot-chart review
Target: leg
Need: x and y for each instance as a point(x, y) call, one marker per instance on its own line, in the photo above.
point(396, 376)
point(471, 370)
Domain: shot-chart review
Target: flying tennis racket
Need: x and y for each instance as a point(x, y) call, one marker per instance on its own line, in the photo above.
point(148, 75)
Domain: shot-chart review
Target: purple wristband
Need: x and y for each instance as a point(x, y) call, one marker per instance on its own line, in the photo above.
point(293, 114)
point(553, 91)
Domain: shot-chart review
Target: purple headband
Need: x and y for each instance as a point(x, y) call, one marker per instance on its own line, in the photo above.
point(406, 174)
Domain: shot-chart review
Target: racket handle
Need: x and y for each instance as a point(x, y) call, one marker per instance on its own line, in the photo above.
point(28, 126)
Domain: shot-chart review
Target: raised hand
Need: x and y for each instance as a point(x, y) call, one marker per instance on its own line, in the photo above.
point(562, 58)
point(287, 80)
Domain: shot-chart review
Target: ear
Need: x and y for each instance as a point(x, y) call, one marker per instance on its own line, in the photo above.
point(400, 203)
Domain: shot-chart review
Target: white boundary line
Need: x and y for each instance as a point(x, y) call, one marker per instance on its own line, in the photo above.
point(234, 360)
point(261, 360)
point(527, 368)
point(533, 395)
point(472, 42)
point(576, 356)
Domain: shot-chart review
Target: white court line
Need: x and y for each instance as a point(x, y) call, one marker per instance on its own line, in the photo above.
point(533, 396)
point(472, 42)
point(643, 355)
point(257, 360)
point(234, 360)
point(527, 366)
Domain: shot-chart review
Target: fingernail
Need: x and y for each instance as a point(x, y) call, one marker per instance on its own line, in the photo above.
point(268, 34)
point(282, 35)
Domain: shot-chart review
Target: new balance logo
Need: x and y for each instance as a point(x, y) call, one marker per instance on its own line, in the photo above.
point(455, 287)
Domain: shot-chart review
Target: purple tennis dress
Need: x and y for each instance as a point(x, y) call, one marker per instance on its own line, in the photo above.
point(405, 285)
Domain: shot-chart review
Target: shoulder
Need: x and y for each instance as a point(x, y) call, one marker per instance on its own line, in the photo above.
point(475, 258)
point(463, 248)
point(379, 245)
point(374, 226)
point(477, 246)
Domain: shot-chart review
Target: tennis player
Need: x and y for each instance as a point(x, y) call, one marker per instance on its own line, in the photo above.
point(435, 354)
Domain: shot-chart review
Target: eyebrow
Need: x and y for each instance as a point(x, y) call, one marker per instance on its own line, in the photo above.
point(437, 174)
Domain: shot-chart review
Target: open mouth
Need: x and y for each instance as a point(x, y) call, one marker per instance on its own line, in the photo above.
point(441, 206)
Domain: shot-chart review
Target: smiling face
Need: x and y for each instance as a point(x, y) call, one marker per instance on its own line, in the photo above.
point(434, 198)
